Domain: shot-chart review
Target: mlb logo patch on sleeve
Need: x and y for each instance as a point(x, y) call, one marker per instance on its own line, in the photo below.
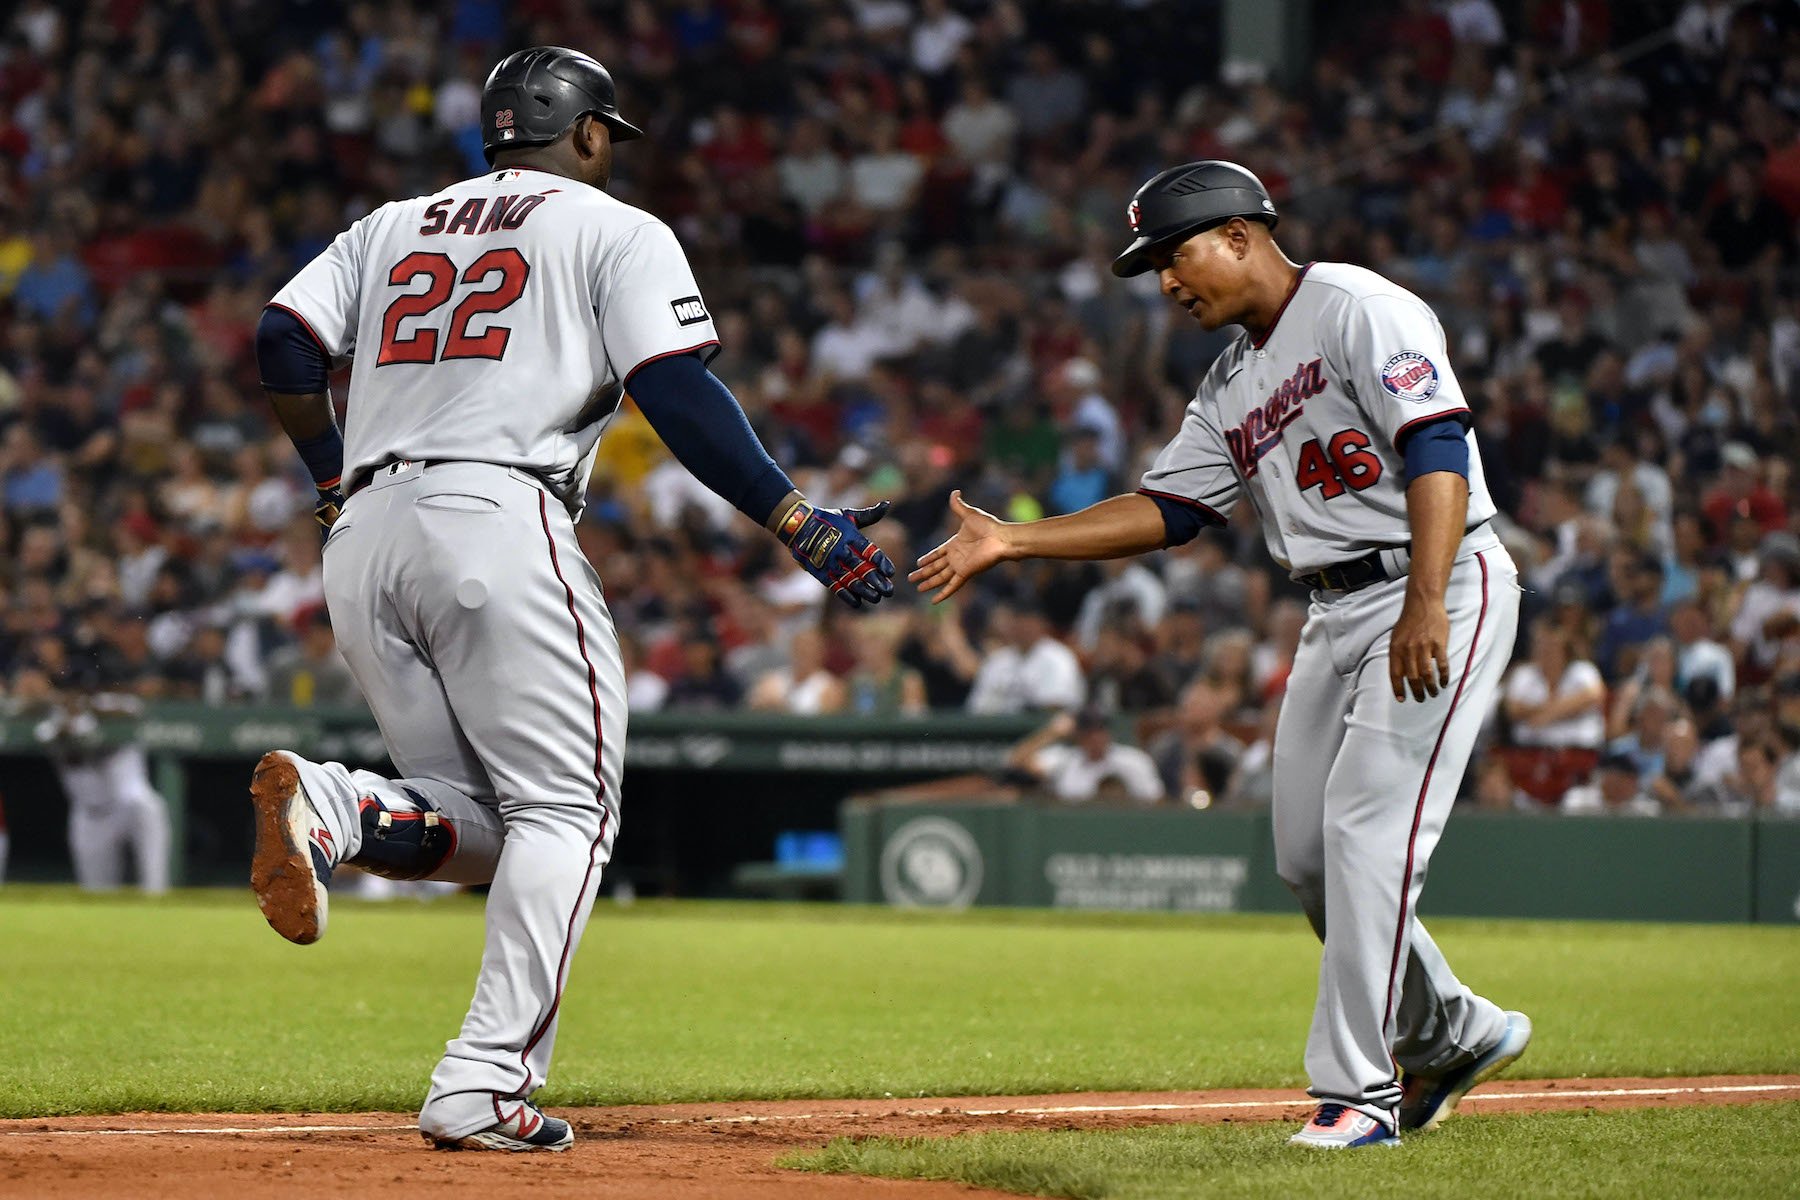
point(1410, 376)
point(689, 310)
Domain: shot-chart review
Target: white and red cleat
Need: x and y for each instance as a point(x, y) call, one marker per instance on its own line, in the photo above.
point(1340, 1127)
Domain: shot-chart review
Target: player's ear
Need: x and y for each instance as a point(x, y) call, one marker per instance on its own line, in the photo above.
point(1237, 235)
point(591, 136)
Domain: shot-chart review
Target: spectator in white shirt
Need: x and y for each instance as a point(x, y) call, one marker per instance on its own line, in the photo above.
point(1076, 760)
point(1475, 22)
point(1769, 610)
point(1026, 667)
point(806, 687)
point(845, 347)
point(1618, 465)
point(1697, 656)
point(895, 303)
point(1754, 785)
point(1554, 699)
point(980, 128)
point(982, 132)
point(884, 178)
point(811, 173)
point(1616, 791)
point(938, 36)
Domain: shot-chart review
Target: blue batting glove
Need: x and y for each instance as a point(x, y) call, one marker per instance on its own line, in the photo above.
point(829, 543)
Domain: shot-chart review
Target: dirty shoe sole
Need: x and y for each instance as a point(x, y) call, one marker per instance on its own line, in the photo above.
point(282, 872)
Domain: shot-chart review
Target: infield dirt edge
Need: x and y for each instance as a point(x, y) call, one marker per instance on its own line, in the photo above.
point(705, 1151)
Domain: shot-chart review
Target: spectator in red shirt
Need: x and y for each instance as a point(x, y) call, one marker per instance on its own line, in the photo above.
point(1740, 492)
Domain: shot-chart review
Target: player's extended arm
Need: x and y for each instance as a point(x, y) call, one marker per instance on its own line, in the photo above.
point(294, 370)
point(1118, 527)
point(702, 424)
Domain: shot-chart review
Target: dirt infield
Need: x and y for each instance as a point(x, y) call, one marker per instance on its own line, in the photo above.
point(670, 1152)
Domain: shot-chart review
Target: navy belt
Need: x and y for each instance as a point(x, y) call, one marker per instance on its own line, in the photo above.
point(1347, 576)
point(363, 478)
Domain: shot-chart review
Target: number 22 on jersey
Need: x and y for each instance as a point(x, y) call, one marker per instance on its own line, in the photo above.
point(505, 267)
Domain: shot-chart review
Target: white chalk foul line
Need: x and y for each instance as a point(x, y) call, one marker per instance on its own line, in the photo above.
point(1206, 1106)
point(229, 1130)
point(1057, 1110)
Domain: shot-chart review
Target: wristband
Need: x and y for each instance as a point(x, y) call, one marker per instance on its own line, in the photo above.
point(324, 457)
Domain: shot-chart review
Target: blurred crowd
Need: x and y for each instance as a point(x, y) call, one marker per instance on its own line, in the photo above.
point(902, 213)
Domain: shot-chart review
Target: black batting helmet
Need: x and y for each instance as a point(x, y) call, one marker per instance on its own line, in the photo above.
point(534, 95)
point(1186, 200)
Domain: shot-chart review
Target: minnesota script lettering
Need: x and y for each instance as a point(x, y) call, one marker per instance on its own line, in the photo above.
point(1262, 427)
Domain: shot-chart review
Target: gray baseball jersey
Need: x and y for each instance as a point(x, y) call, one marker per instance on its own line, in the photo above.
point(506, 312)
point(1308, 420)
point(492, 326)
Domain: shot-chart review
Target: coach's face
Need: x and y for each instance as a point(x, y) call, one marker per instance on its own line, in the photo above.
point(1206, 273)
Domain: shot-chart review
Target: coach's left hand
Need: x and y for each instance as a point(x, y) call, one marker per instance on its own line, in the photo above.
point(829, 543)
point(1419, 651)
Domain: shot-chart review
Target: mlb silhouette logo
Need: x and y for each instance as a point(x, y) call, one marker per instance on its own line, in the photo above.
point(1134, 215)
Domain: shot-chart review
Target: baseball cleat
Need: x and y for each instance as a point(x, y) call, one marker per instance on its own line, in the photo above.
point(294, 852)
point(525, 1128)
point(1340, 1127)
point(1425, 1101)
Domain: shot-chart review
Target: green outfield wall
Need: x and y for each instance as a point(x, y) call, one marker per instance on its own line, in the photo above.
point(704, 792)
point(1489, 864)
point(734, 742)
point(707, 793)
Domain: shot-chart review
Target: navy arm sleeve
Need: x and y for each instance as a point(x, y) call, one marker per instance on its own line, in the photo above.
point(701, 423)
point(288, 357)
point(1440, 446)
point(1182, 519)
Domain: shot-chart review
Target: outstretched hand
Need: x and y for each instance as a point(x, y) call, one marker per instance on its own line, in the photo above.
point(979, 542)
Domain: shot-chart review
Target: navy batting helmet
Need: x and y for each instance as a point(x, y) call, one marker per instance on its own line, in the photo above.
point(1186, 200)
point(534, 95)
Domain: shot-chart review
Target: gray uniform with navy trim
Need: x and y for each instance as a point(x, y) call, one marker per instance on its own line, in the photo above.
point(492, 325)
point(1308, 425)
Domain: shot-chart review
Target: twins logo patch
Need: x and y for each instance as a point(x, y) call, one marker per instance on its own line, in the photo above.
point(1410, 376)
point(688, 310)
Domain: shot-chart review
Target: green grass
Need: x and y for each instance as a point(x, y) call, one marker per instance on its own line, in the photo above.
point(191, 1003)
point(1747, 1151)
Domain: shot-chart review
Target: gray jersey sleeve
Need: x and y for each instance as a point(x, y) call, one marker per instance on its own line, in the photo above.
point(1195, 467)
point(327, 293)
point(1397, 363)
point(649, 304)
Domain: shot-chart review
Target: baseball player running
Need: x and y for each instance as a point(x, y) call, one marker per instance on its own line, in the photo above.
point(494, 326)
point(1337, 416)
